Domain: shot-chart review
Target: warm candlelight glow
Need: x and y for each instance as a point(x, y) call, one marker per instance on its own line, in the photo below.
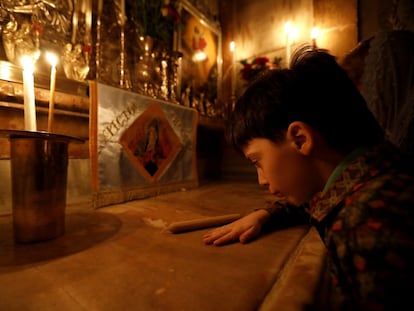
point(29, 94)
point(122, 4)
point(315, 33)
point(199, 56)
point(232, 46)
point(288, 29)
point(52, 59)
point(233, 73)
point(74, 22)
point(291, 34)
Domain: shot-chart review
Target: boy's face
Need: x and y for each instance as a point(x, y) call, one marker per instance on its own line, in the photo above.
point(284, 168)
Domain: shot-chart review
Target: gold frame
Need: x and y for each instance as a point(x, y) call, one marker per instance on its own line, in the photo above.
point(205, 76)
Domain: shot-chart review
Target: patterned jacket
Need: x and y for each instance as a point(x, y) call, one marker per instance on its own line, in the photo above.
point(366, 220)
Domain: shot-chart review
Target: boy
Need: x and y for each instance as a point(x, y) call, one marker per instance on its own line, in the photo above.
point(315, 143)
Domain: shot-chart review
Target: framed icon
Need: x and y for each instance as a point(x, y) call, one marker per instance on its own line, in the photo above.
point(200, 70)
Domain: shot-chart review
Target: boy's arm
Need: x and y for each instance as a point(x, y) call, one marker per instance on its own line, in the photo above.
point(286, 215)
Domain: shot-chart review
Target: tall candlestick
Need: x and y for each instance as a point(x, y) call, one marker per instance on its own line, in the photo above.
point(100, 6)
point(29, 94)
point(98, 40)
point(75, 20)
point(314, 35)
point(52, 60)
point(288, 29)
point(233, 73)
point(288, 52)
point(88, 22)
point(122, 12)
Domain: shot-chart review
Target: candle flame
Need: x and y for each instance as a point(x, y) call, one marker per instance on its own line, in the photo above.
point(199, 56)
point(315, 33)
point(232, 46)
point(291, 31)
point(27, 63)
point(52, 58)
point(288, 27)
point(294, 33)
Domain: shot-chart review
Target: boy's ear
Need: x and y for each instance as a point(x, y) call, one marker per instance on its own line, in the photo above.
point(301, 137)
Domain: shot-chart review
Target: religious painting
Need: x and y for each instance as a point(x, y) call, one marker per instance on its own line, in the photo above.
point(200, 42)
point(140, 146)
point(150, 143)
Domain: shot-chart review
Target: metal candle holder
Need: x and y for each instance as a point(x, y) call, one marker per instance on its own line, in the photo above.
point(39, 162)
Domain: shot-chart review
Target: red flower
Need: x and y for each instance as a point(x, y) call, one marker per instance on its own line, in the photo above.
point(258, 65)
point(37, 27)
point(261, 61)
point(87, 48)
point(168, 10)
point(359, 262)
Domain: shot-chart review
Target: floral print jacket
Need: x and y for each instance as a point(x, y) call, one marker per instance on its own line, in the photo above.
point(366, 220)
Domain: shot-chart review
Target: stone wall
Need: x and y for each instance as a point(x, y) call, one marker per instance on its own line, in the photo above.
point(375, 15)
point(258, 29)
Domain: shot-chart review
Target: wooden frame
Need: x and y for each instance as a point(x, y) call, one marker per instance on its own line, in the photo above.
point(199, 40)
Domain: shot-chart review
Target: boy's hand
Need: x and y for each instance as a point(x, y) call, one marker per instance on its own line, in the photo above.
point(244, 229)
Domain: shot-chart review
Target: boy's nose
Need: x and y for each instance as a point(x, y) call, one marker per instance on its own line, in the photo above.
point(261, 179)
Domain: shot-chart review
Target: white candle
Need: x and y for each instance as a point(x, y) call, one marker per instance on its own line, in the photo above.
point(233, 67)
point(122, 12)
point(29, 94)
point(52, 58)
point(288, 29)
point(75, 21)
point(314, 36)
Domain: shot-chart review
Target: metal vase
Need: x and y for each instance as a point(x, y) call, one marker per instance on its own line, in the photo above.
point(39, 166)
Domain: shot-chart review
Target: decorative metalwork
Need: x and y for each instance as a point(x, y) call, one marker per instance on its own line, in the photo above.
point(146, 68)
point(122, 56)
point(76, 55)
point(124, 78)
point(28, 27)
point(174, 58)
point(112, 51)
point(18, 40)
point(163, 90)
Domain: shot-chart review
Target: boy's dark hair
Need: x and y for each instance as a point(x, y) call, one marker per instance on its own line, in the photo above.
point(317, 91)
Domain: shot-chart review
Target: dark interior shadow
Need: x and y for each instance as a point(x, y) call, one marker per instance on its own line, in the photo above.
point(82, 231)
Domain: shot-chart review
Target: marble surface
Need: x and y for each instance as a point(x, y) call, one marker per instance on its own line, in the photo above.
point(121, 257)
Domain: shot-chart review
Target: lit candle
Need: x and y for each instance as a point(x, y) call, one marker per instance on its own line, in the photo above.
point(122, 12)
point(29, 94)
point(288, 29)
point(75, 21)
point(52, 59)
point(314, 35)
point(233, 67)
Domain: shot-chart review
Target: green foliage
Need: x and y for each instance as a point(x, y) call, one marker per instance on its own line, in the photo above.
point(155, 18)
